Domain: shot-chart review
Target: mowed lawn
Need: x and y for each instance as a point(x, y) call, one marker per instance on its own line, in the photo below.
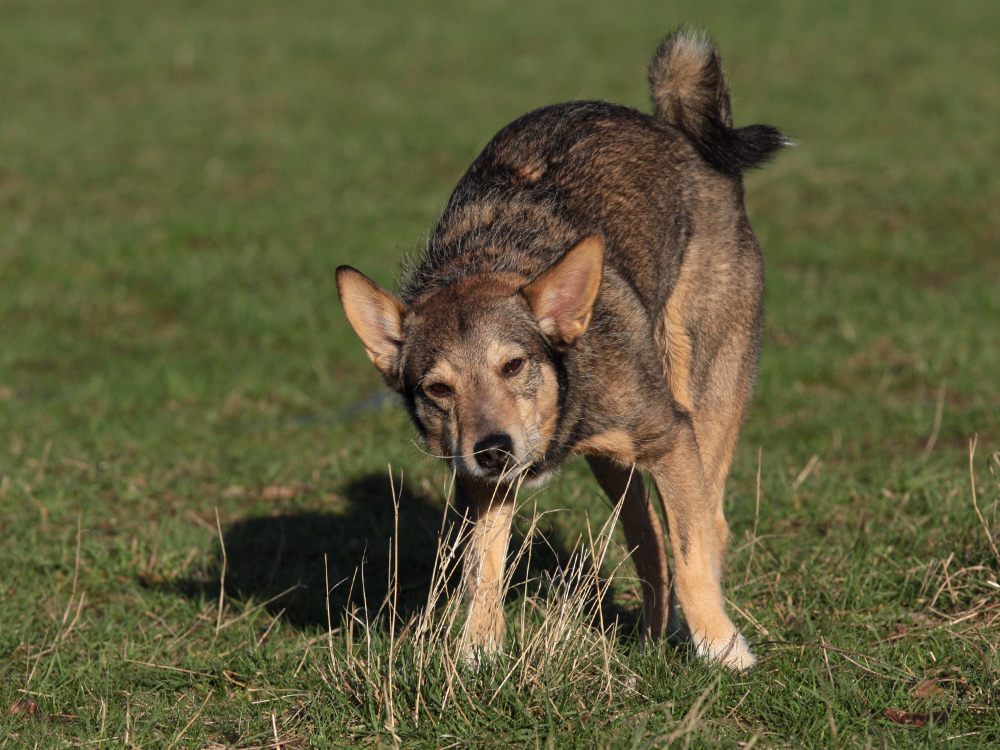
point(199, 544)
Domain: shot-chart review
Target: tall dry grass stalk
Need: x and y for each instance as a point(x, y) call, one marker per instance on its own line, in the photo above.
point(557, 634)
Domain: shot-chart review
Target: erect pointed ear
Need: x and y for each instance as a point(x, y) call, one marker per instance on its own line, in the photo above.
point(562, 297)
point(376, 316)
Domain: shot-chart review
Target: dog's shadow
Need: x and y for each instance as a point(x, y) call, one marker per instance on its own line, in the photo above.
point(288, 560)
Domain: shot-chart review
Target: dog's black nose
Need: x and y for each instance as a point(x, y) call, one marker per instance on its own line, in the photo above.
point(492, 452)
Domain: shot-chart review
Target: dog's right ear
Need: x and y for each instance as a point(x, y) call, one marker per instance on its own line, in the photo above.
point(377, 316)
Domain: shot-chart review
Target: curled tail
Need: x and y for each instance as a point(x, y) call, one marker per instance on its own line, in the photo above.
point(690, 92)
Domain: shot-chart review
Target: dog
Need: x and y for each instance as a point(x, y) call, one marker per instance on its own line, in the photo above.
point(593, 287)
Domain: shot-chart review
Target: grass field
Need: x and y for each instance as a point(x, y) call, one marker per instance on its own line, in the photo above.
point(192, 442)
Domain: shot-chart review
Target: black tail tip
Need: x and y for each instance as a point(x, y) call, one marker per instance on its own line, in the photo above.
point(756, 145)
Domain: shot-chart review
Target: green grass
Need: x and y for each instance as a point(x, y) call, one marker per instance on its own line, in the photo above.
point(178, 184)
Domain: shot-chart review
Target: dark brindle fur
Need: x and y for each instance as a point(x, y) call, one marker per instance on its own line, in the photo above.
point(593, 287)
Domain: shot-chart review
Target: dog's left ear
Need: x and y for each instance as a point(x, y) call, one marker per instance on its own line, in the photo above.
point(562, 296)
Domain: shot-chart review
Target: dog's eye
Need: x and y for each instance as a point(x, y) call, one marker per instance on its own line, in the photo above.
point(438, 389)
point(513, 366)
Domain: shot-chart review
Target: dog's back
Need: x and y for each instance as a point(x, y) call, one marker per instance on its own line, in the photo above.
point(646, 183)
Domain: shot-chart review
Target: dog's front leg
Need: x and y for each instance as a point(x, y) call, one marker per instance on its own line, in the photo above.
point(699, 549)
point(486, 511)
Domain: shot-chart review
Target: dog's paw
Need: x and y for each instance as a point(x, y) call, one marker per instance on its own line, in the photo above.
point(733, 653)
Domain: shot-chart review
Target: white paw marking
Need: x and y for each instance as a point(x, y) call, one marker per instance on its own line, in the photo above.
point(733, 653)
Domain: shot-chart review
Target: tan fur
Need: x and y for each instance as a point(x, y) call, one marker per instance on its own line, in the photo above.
point(675, 344)
point(617, 444)
point(686, 70)
point(532, 173)
point(548, 405)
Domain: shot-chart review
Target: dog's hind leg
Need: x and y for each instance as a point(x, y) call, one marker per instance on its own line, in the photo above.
point(699, 551)
point(718, 428)
point(717, 294)
point(486, 511)
point(644, 537)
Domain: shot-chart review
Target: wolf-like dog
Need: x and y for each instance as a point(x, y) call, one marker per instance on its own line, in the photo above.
point(593, 287)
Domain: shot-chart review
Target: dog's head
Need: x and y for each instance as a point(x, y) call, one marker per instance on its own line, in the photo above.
point(477, 360)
